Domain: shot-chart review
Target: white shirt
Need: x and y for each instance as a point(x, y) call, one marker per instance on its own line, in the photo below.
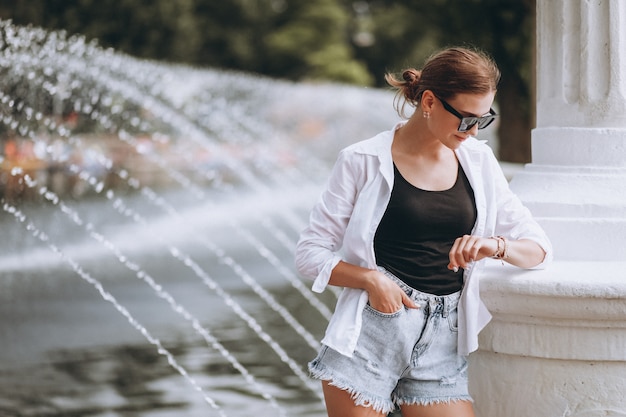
point(343, 224)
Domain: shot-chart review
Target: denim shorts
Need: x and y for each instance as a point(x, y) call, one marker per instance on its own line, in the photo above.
point(407, 357)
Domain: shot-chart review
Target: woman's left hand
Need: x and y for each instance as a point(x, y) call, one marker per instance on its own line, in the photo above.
point(470, 248)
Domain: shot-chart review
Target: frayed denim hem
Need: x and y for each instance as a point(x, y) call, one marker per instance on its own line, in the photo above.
point(378, 404)
point(431, 401)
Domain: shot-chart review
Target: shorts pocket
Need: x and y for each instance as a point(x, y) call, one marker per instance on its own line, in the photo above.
point(453, 320)
point(381, 347)
point(375, 312)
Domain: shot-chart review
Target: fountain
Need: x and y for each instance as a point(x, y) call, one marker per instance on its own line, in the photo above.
point(149, 213)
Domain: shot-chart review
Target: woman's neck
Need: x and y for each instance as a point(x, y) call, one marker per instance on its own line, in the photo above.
point(414, 139)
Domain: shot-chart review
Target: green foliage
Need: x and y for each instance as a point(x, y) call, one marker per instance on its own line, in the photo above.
point(349, 41)
point(312, 42)
point(396, 37)
point(341, 40)
point(294, 39)
point(145, 28)
point(405, 32)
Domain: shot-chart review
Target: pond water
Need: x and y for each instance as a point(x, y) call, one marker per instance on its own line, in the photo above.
point(67, 351)
point(149, 216)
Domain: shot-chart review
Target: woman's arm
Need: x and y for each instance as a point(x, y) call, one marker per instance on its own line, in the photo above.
point(527, 245)
point(384, 294)
point(317, 250)
point(524, 253)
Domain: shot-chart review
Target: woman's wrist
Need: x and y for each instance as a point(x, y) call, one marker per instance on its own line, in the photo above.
point(371, 280)
point(502, 250)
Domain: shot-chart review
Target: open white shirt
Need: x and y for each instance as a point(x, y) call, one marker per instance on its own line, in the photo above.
point(344, 221)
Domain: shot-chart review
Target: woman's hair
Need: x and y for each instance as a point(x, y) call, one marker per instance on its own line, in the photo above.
point(446, 73)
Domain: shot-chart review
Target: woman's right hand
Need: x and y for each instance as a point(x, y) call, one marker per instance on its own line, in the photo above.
point(385, 295)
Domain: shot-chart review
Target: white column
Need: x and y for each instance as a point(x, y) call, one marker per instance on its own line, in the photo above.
point(575, 183)
point(557, 343)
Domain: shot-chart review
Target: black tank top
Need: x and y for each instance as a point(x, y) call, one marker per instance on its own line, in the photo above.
point(418, 229)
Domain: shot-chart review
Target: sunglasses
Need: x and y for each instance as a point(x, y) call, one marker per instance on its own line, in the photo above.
point(468, 122)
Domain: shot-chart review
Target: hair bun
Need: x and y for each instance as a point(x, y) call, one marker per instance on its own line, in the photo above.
point(411, 76)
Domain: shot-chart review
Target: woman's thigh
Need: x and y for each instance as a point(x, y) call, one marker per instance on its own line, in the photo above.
point(452, 409)
point(339, 403)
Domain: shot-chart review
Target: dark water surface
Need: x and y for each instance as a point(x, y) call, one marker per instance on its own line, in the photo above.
point(94, 301)
point(65, 351)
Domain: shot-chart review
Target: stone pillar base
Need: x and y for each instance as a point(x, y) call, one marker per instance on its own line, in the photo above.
point(576, 188)
point(520, 386)
point(557, 343)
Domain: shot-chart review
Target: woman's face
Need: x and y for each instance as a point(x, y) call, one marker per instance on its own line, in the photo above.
point(445, 123)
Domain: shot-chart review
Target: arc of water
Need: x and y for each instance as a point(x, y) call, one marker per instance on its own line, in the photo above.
point(199, 137)
point(228, 261)
point(264, 294)
point(178, 308)
point(94, 115)
point(268, 224)
point(107, 296)
point(91, 53)
point(245, 276)
point(181, 179)
point(122, 209)
point(259, 246)
point(119, 205)
point(262, 249)
point(151, 77)
point(248, 178)
point(276, 263)
point(193, 133)
point(186, 260)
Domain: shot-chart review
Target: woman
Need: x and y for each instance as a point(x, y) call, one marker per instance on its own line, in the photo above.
point(404, 225)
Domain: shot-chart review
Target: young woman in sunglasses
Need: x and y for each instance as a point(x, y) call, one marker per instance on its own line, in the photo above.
point(404, 225)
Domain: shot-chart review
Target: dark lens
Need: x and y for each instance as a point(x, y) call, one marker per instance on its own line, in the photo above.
point(467, 123)
point(485, 121)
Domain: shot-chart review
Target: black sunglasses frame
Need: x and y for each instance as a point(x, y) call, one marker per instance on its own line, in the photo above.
point(468, 122)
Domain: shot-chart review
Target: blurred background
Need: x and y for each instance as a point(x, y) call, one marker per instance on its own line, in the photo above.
point(158, 160)
point(345, 41)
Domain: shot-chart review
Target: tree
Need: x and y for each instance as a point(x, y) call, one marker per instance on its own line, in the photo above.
point(504, 28)
point(350, 41)
point(293, 39)
point(155, 29)
point(312, 41)
point(506, 31)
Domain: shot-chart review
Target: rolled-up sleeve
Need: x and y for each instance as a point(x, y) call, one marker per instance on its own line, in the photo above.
point(514, 219)
point(317, 250)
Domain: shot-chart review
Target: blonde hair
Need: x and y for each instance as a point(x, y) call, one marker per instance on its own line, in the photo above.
point(446, 73)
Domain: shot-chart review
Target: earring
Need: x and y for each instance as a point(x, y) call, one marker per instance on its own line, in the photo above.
point(426, 115)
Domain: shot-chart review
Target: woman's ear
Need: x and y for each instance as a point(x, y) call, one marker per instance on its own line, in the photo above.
point(428, 100)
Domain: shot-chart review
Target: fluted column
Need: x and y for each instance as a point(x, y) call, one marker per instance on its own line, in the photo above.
point(557, 343)
point(576, 183)
point(581, 56)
